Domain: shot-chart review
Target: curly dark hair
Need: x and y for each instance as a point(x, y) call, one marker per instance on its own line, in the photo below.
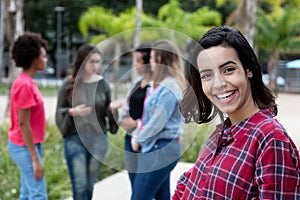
point(26, 48)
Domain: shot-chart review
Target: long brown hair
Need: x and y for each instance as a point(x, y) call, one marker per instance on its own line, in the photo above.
point(82, 56)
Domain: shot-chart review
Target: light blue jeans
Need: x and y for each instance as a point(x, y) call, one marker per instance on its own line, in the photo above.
point(31, 189)
point(84, 155)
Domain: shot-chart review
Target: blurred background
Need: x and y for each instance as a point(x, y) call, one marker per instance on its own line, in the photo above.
point(117, 27)
point(272, 27)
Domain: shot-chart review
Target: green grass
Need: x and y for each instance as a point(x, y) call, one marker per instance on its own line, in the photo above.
point(48, 91)
point(45, 91)
point(3, 89)
point(194, 137)
point(58, 183)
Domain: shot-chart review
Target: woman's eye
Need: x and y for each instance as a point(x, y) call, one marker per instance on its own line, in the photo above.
point(229, 69)
point(94, 61)
point(205, 76)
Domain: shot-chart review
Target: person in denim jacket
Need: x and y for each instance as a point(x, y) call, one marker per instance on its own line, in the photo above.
point(157, 136)
point(133, 109)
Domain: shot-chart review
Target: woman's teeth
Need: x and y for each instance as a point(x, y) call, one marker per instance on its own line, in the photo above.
point(226, 95)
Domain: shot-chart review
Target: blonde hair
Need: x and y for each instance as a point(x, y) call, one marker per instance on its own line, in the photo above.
point(167, 54)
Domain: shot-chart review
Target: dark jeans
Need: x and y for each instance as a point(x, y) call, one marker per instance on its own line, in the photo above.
point(152, 178)
point(130, 159)
point(84, 156)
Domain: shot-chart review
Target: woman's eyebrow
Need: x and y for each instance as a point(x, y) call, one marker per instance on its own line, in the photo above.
point(226, 63)
point(204, 70)
point(220, 66)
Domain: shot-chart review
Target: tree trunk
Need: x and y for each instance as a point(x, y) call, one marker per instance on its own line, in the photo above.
point(272, 70)
point(243, 17)
point(136, 39)
point(116, 62)
point(249, 28)
point(14, 27)
point(234, 16)
point(2, 16)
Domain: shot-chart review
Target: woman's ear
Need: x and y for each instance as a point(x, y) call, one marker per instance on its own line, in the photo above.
point(158, 59)
point(249, 73)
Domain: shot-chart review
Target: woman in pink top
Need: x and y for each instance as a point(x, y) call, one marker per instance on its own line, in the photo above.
point(28, 116)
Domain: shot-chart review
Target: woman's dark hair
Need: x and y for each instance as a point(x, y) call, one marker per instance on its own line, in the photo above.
point(145, 50)
point(195, 105)
point(27, 48)
point(82, 55)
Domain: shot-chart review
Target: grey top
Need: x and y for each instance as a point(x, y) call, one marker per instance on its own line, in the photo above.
point(98, 96)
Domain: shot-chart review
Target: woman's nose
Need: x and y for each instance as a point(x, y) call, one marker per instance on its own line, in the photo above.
point(220, 81)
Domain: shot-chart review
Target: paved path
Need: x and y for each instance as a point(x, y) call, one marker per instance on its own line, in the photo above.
point(117, 186)
point(49, 102)
point(289, 114)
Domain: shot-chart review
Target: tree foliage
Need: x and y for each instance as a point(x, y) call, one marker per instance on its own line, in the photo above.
point(98, 22)
point(278, 32)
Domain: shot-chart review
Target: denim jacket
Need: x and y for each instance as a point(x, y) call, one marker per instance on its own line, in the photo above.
point(161, 118)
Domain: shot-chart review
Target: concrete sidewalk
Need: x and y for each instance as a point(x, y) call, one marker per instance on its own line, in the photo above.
point(289, 115)
point(49, 103)
point(117, 186)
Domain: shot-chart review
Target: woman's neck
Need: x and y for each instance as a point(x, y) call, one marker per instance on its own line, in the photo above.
point(30, 72)
point(147, 78)
point(243, 114)
point(157, 82)
point(145, 81)
point(91, 78)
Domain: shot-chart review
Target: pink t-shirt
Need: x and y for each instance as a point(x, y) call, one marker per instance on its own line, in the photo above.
point(25, 94)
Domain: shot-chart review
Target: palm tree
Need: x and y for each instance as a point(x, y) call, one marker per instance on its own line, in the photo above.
point(186, 27)
point(171, 20)
point(277, 32)
point(243, 17)
point(193, 24)
point(104, 24)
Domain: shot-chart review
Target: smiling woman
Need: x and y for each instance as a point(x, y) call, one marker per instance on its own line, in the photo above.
point(249, 155)
point(225, 82)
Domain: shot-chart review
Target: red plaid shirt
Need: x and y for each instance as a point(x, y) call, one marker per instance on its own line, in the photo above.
point(254, 159)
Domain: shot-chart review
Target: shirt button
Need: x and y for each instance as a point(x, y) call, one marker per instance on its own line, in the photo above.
point(224, 144)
